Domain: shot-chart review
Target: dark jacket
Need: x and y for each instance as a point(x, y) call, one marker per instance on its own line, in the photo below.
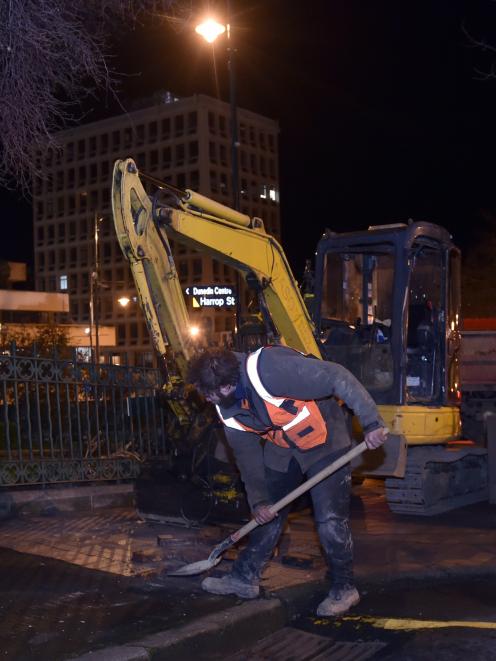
point(287, 373)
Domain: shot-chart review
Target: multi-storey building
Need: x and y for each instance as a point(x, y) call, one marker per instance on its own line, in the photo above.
point(185, 142)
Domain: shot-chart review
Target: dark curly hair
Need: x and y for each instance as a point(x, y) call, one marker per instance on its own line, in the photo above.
point(212, 369)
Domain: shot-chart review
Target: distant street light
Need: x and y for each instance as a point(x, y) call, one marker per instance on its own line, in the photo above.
point(125, 300)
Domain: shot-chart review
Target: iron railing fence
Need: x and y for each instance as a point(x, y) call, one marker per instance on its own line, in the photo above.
point(72, 421)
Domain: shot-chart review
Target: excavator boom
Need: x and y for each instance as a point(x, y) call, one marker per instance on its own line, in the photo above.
point(143, 229)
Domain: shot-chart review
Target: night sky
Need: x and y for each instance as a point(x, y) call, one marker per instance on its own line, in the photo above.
point(381, 114)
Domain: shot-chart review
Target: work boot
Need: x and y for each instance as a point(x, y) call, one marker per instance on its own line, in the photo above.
point(230, 585)
point(338, 601)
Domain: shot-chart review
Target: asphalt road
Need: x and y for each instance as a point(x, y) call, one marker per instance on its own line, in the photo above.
point(406, 622)
point(51, 610)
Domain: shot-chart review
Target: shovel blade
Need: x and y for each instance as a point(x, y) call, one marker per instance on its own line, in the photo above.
point(195, 567)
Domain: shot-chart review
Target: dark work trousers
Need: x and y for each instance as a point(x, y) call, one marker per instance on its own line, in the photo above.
point(331, 506)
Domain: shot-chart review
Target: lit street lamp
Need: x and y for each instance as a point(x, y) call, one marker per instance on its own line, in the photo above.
point(210, 30)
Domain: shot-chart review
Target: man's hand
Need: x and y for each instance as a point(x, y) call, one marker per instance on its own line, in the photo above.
point(374, 439)
point(262, 514)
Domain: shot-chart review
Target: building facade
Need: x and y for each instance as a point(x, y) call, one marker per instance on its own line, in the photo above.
point(185, 142)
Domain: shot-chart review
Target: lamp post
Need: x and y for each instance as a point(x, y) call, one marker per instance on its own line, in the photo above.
point(210, 30)
point(94, 291)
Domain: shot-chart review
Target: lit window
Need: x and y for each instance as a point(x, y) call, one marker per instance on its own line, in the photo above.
point(273, 194)
point(263, 191)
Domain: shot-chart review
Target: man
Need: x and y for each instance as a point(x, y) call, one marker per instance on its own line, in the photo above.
point(284, 418)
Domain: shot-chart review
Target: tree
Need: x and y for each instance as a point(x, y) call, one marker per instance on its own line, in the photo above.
point(53, 54)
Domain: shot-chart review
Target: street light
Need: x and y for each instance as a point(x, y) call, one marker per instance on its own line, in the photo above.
point(210, 30)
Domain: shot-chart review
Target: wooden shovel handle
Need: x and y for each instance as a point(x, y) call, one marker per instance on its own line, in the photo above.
point(293, 495)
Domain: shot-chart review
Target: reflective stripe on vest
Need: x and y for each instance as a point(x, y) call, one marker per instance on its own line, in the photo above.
point(304, 438)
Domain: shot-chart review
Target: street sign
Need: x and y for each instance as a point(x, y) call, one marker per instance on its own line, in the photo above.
point(212, 296)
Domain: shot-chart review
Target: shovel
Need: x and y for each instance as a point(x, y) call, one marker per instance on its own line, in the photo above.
point(216, 555)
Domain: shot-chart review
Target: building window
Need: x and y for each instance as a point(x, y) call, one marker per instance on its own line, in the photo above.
point(211, 123)
point(179, 125)
point(116, 140)
point(152, 131)
point(212, 152)
point(181, 180)
point(93, 145)
point(81, 148)
point(222, 125)
point(121, 334)
point(252, 136)
point(197, 269)
point(271, 142)
point(180, 154)
point(103, 144)
point(82, 175)
point(61, 232)
point(213, 181)
point(154, 158)
point(273, 194)
point(183, 268)
point(40, 234)
point(242, 133)
point(69, 152)
point(223, 154)
point(166, 129)
point(193, 151)
point(192, 121)
point(223, 183)
point(60, 206)
point(194, 179)
point(166, 157)
point(105, 170)
point(93, 173)
point(63, 283)
point(133, 333)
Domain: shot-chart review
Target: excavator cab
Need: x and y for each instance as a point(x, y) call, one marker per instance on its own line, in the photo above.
point(386, 306)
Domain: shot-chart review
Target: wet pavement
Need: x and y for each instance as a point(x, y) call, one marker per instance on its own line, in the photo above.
point(53, 610)
point(407, 621)
point(97, 580)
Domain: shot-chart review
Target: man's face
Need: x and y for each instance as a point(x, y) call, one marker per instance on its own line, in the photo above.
point(223, 396)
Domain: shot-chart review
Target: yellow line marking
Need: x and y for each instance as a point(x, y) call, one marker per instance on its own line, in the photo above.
point(398, 624)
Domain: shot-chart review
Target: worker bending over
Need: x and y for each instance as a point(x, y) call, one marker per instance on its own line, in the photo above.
point(284, 419)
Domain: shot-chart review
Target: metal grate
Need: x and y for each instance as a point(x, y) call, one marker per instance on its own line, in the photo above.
point(294, 645)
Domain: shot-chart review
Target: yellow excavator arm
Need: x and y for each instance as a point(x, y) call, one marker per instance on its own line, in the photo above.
point(143, 229)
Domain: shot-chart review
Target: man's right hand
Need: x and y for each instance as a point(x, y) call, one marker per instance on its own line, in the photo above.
point(263, 514)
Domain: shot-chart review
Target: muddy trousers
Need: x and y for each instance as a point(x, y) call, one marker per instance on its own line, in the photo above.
point(331, 503)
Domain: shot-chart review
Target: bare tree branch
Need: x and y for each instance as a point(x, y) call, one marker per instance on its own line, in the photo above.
point(52, 56)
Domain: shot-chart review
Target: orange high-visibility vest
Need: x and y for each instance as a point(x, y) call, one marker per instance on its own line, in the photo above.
point(295, 423)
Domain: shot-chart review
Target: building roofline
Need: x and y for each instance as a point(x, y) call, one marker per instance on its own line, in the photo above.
point(134, 116)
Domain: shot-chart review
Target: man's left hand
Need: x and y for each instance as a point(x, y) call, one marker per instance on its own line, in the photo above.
point(375, 438)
